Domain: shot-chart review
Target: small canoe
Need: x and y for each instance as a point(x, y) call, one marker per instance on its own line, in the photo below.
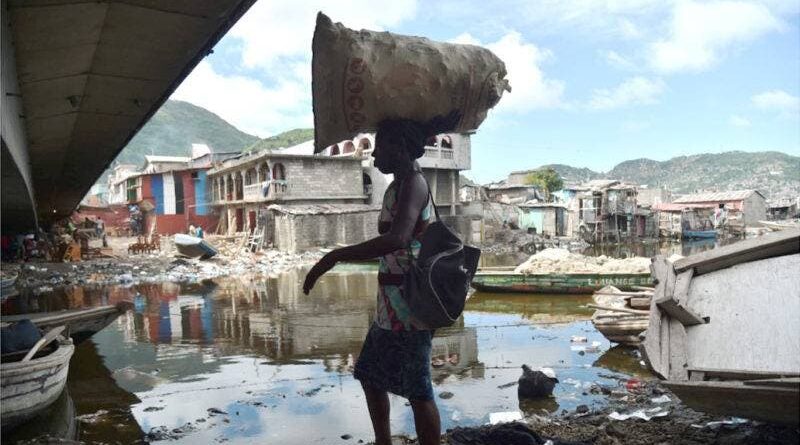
point(624, 325)
point(29, 387)
point(194, 247)
point(699, 234)
point(80, 323)
point(572, 283)
point(7, 288)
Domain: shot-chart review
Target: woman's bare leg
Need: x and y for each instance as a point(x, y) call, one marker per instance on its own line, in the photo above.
point(427, 422)
point(378, 405)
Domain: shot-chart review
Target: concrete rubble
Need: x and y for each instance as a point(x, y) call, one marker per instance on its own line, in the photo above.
point(160, 266)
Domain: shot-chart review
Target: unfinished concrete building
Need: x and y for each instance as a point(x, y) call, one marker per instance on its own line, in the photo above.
point(283, 196)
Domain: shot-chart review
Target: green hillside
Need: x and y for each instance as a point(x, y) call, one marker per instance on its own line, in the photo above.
point(773, 173)
point(283, 140)
point(178, 125)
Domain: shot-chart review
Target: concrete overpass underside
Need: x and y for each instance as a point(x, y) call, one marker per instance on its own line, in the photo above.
point(89, 76)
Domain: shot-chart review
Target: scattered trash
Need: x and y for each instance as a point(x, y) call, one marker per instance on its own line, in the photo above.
point(504, 417)
point(634, 385)
point(91, 418)
point(214, 411)
point(445, 395)
point(645, 415)
point(661, 399)
point(346, 436)
point(578, 339)
point(582, 409)
point(536, 384)
point(733, 421)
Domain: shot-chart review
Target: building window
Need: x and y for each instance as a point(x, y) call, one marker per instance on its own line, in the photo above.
point(348, 147)
point(446, 142)
point(364, 145)
point(334, 149)
point(367, 184)
point(278, 172)
point(431, 142)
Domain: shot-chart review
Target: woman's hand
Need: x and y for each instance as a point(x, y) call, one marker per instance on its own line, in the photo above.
point(325, 264)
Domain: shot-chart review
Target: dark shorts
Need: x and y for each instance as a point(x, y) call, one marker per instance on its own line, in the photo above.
point(397, 362)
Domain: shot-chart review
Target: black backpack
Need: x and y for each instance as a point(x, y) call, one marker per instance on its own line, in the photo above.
point(436, 284)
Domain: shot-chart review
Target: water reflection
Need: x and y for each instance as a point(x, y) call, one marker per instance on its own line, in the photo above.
point(273, 359)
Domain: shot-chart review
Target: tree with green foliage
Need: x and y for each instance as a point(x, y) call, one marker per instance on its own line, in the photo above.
point(547, 179)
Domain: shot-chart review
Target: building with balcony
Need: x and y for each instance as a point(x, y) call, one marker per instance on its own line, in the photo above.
point(285, 195)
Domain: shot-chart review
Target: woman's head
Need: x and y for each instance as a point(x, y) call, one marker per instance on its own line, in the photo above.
point(398, 142)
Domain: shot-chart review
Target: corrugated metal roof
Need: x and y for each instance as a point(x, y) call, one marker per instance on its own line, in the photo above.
point(734, 195)
point(676, 207)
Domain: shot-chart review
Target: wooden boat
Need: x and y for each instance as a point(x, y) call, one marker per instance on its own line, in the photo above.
point(572, 283)
point(780, 225)
point(7, 283)
point(80, 323)
point(723, 328)
point(31, 383)
point(699, 234)
point(619, 315)
point(193, 247)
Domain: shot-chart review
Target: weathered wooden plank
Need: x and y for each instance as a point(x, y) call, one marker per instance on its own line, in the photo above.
point(652, 344)
point(682, 284)
point(743, 374)
point(784, 242)
point(618, 309)
point(667, 302)
point(678, 356)
point(681, 313)
point(761, 402)
point(789, 382)
point(640, 302)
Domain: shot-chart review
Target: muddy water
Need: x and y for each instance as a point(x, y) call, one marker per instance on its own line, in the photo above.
point(259, 362)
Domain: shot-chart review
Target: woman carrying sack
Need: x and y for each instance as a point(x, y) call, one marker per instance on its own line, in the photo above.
point(396, 354)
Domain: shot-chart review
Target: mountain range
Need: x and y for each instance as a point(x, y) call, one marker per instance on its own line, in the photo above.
point(774, 174)
point(178, 125)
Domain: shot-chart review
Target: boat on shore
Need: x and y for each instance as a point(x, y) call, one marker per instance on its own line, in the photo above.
point(80, 323)
point(699, 234)
point(30, 386)
point(194, 247)
point(7, 285)
point(621, 316)
point(722, 328)
point(503, 281)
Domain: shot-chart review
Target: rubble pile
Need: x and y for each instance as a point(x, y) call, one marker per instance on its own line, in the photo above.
point(563, 261)
point(159, 266)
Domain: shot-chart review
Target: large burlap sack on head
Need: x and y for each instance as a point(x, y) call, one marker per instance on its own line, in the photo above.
point(361, 77)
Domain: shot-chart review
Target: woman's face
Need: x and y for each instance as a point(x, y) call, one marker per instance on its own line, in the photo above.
point(389, 156)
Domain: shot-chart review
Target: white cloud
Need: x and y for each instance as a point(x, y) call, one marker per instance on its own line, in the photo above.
point(739, 121)
point(634, 91)
point(700, 33)
point(530, 88)
point(248, 104)
point(777, 100)
point(618, 61)
point(272, 30)
point(275, 41)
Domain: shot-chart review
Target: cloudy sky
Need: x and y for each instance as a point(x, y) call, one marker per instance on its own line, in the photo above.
point(595, 82)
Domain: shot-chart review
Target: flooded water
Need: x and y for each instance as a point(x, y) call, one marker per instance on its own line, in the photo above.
point(259, 362)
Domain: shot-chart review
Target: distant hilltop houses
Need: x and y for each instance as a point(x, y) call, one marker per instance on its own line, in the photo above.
point(611, 210)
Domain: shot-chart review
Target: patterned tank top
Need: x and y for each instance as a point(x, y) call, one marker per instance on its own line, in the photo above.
point(392, 312)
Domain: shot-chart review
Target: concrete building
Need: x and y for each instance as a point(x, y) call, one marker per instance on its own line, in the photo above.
point(751, 204)
point(446, 155)
point(173, 200)
point(117, 183)
point(508, 193)
point(546, 219)
point(299, 201)
point(604, 209)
